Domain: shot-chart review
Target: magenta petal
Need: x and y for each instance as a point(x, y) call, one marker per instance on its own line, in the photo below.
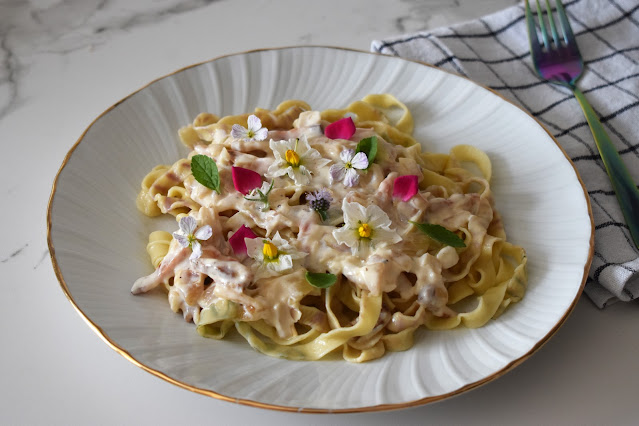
point(341, 129)
point(237, 240)
point(245, 180)
point(405, 187)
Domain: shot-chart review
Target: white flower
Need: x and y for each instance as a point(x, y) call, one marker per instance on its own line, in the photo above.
point(296, 158)
point(346, 170)
point(255, 131)
point(273, 256)
point(187, 236)
point(365, 227)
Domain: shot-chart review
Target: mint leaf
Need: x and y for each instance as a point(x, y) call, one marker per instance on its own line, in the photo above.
point(440, 234)
point(205, 171)
point(369, 147)
point(320, 280)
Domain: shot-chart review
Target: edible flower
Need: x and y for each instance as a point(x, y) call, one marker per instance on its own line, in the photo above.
point(296, 158)
point(255, 131)
point(320, 201)
point(237, 240)
point(260, 195)
point(365, 227)
point(187, 236)
point(405, 187)
point(346, 170)
point(273, 256)
point(341, 129)
point(245, 180)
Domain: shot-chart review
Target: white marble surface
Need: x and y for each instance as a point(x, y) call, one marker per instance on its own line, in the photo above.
point(62, 62)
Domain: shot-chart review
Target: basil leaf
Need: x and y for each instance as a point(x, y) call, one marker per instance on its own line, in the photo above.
point(440, 234)
point(320, 280)
point(205, 171)
point(369, 147)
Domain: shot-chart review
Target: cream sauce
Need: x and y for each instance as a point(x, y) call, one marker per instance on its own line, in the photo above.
point(382, 270)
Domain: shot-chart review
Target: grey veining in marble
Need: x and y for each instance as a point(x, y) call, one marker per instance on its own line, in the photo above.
point(66, 26)
point(431, 14)
point(14, 254)
point(8, 66)
point(58, 28)
point(63, 62)
point(45, 254)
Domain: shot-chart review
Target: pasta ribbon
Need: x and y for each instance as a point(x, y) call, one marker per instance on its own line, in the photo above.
point(323, 344)
point(158, 246)
point(475, 155)
point(390, 282)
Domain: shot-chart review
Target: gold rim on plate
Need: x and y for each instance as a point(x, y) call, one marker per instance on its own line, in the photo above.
point(381, 407)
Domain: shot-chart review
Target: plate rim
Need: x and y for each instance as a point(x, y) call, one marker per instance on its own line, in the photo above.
point(373, 408)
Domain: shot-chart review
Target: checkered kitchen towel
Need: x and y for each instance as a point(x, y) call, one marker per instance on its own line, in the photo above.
point(494, 51)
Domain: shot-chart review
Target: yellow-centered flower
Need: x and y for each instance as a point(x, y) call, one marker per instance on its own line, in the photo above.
point(295, 158)
point(273, 256)
point(364, 230)
point(292, 158)
point(269, 250)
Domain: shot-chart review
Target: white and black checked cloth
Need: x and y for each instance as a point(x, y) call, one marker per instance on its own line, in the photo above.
point(494, 51)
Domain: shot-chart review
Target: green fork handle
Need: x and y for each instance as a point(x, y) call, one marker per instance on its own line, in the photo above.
point(622, 183)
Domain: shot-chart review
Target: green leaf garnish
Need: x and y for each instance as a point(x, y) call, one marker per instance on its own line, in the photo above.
point(322, 214)
point(440, 234)
point(320, 280)
point(205, 171)
point(369, 147)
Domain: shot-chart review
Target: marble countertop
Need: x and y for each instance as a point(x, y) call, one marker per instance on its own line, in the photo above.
point(63, 62)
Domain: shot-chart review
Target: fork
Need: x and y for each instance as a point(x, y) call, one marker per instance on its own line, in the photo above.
point(558, 61)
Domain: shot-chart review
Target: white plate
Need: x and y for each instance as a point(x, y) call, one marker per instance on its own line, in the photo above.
point(97, 237)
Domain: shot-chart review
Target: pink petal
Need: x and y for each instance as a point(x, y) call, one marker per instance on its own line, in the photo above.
point(245, 180)
point(405, 187)
point(237, 240)
point(341, 129)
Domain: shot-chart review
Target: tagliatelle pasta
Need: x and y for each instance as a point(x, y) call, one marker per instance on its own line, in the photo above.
point(312, 232)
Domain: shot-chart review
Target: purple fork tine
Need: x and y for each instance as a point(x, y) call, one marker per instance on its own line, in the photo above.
point(561, 63)
point(558, 63)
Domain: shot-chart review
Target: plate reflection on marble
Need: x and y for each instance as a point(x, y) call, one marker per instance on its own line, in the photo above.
point(97, 237)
